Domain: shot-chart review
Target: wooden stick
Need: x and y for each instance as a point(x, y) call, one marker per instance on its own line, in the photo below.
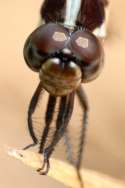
point(66, 173)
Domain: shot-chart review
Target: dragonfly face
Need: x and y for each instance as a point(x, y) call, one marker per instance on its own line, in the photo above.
point(65, 53)
point(63, 57)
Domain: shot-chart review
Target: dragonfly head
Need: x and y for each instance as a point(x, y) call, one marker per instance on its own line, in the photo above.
point(64, 59)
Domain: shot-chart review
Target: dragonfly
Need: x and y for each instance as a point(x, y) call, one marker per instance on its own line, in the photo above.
point(66, 51)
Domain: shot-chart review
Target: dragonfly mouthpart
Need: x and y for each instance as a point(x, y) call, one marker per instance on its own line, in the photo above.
point(60, 78)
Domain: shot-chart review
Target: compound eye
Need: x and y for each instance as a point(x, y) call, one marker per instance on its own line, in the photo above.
point(45, 40)
point(31, 55)
point(49, 38)
point(88, 50)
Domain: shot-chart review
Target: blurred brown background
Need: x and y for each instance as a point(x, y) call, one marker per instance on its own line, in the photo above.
point(105, 150)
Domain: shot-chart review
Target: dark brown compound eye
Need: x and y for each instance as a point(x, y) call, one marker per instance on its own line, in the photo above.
point(88, 50)
point(45, 40)
point(50, 38)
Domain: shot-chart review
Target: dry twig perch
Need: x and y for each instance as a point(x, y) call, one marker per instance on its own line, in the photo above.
point(65, 173)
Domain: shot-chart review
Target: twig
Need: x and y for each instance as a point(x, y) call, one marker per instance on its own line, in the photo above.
point(66, 173)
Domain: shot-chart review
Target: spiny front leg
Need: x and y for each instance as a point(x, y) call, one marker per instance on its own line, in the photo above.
point(48, 120)
point(74, 155)
point(84, 104)
point(32, 107)
point(64, 115)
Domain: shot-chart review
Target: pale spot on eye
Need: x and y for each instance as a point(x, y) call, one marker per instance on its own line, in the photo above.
point(58, 36)
point(82, 42)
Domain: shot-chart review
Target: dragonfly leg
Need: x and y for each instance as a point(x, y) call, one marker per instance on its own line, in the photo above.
point(64, 115)
point(29, 146)
point(45, 167)
point(31, 109)
point(48, 119)
point(84, 104)
point(70, 155)
point(69, 147)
